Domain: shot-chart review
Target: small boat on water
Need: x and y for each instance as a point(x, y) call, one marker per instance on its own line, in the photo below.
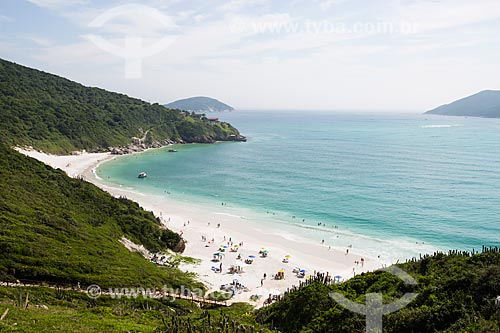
point(172, 151)
point(142, 175)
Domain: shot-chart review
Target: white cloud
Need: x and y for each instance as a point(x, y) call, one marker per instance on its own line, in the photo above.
point(433, 15)
point(325, 4)
point(234, 6)
point(83, 52)
point(41, 41)
point(291, 69)
point(4, 18)
point(57, 4)
point(133, 19)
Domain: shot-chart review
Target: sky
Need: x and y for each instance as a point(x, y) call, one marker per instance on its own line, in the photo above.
point(383, 55)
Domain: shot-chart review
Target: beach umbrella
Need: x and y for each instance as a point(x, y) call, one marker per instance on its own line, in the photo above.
point(288, 256)
point(338, 277)
point(251, 257)
point(303, 270)
point(281, 271)
point(225, 246)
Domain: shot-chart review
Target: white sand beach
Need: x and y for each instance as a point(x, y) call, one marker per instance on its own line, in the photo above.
point(197, 222)
point(73, 165)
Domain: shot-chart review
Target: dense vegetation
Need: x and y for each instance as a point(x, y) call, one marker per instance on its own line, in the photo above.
point(55, 228)
point(57, 115)
point(69, 311)
point(457, 293)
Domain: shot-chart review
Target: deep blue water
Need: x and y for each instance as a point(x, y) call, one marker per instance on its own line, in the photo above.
point(428, 178)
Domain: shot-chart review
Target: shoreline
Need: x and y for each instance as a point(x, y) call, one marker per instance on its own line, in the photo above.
point(197, 222)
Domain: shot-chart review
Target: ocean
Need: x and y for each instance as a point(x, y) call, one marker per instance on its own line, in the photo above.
point(396, 185)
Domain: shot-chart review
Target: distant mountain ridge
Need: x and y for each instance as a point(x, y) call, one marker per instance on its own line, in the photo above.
point(483, 104)
point(199, 104)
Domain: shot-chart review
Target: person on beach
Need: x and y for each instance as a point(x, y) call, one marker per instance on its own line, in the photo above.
point(265, 275)
point(261, 282)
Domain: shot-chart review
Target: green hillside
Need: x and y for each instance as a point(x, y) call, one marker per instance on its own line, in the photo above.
point(55, 228)
point(57, 115)
point(457, 293)
point(69, 311)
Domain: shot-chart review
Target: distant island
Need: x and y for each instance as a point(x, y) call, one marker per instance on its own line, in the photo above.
point(483, 104)
point(199, 104)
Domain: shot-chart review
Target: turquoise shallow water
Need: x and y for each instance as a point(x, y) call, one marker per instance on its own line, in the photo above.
point(424, 178)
